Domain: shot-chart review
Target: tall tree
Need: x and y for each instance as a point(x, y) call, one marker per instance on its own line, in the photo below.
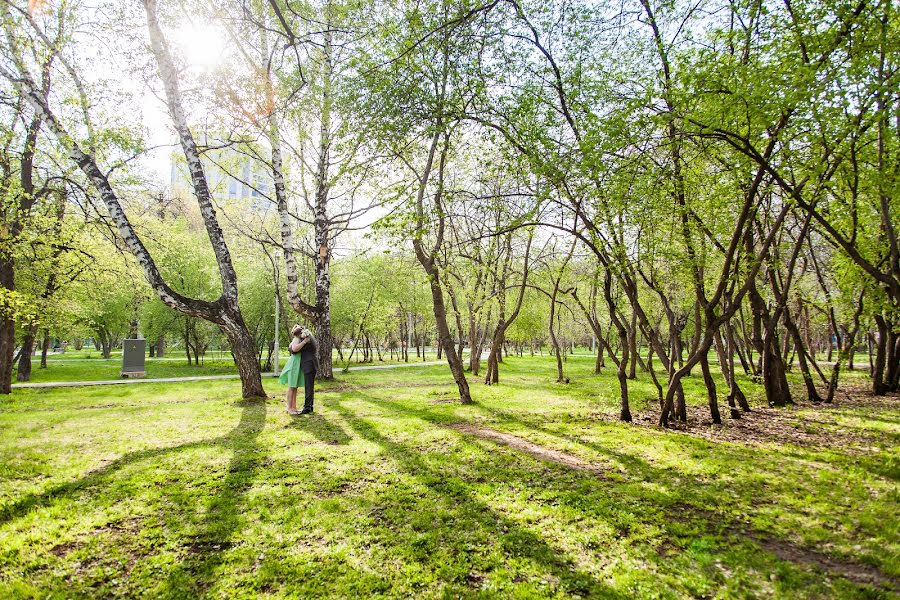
point(225, 311)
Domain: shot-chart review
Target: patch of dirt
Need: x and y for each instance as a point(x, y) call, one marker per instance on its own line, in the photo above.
point(561, 458)
point(819, 428)
point(858, 573)
point(448, 400)
point(120, 531)
point(61, 550)
point(204, 547)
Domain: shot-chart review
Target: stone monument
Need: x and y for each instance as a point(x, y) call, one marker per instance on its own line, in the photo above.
point(133, 352)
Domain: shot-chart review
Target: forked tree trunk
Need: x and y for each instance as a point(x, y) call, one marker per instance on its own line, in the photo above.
point(243, 347)
point(225, 312)
point(427, 259)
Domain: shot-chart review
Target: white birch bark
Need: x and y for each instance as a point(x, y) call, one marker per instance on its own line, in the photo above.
point(169, 78)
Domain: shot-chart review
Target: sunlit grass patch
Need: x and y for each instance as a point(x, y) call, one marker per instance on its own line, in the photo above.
point(183, 490)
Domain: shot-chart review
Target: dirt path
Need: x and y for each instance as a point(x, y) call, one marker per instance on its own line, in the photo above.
point(507, 439)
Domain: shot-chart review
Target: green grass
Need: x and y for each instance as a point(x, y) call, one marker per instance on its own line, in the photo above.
point(184, 491)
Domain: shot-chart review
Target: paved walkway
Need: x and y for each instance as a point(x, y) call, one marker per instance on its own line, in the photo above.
point(59, 384)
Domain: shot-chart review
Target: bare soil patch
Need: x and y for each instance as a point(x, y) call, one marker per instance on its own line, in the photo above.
point(858, 573)
point(819, 427)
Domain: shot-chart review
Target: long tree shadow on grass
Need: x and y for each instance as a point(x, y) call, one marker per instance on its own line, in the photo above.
point(222, 521)
point(93, 478)
point(320, 427)
point(222, 518)
point(683, 507)
point(513, 540)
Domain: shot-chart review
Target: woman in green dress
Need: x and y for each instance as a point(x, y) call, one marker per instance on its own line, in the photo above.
point(292, 374)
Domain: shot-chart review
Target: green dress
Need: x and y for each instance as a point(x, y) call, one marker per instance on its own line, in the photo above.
point(292, 374)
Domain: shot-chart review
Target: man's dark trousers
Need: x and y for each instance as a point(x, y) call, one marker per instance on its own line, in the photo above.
point(309, 378)
point(309, 363)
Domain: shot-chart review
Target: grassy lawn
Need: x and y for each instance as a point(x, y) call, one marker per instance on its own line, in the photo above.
point(181, 490)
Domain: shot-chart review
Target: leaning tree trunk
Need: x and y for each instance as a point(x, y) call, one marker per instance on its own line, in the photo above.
point(735, 392)
point(811, 392)
point(726, 364)
point(225, 311)
point(711, 390)
point(445, 339)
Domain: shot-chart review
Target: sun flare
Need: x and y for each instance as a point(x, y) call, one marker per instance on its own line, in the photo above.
point(202, 46)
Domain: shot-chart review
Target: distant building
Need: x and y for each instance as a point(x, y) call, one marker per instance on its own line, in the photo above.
point(232, 172)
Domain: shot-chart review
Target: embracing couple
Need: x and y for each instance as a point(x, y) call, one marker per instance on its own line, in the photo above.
point(300, 370)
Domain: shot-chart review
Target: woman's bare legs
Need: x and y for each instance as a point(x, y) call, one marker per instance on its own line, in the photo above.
point(292, 399)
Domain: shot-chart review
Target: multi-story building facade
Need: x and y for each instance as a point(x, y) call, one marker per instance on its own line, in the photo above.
point(232, 172)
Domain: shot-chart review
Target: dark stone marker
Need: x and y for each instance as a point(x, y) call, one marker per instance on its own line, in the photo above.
point(133, 358)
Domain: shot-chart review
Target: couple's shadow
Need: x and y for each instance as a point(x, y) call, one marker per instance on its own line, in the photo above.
point(321, 427)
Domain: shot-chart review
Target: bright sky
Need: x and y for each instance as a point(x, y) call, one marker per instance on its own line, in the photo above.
point(203, 47)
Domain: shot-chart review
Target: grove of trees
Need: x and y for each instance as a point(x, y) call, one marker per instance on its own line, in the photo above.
point(684, 187)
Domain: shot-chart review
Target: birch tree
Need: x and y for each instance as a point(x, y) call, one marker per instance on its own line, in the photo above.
point(224, 311)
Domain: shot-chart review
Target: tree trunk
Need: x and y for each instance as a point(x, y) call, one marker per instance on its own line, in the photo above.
point(243, 347)
point(879, 388)
point(850, 342)
point(7, 329)
point(735, 391)
point(187, 340)
point(892, 370)
point(811, 392)
point(445, 339)
point(633, 348)
point(24, 369)
point(44, 348)
point(767, 344)
point(726, 365)
point(710, 390)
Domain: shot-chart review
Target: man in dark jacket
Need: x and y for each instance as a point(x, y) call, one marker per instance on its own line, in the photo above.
point(309, 363)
